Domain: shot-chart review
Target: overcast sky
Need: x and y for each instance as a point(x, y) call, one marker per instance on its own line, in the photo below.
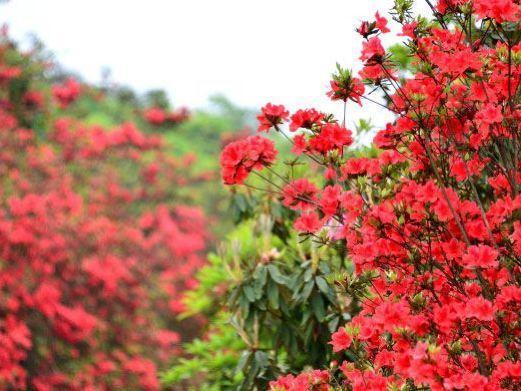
point(252, 51)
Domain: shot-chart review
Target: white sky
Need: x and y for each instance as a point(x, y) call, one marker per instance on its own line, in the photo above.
point(253, 51)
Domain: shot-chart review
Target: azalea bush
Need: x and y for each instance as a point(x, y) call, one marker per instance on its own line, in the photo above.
point(97, 240)
point(430, 225)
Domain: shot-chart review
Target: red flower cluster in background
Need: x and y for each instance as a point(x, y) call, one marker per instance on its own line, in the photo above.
point(431, 225)
point(96, 248)
point(67, 92)
point(157, 116)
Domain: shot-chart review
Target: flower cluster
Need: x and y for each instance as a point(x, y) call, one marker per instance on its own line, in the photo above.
point(313, 380)
point(240, 157)
point(430, 224)
point(271, 115)
point(156, 116)
point(96, 247)
point(67, 92)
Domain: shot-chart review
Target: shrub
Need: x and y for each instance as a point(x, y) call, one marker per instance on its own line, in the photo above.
point(431, 224)
point(97, 242)
point(271, 291)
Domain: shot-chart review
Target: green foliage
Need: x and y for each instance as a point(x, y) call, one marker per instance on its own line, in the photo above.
point(211, 361)
point(277, 295)
point(402, 10)
point(157, 98)
point(401, 56)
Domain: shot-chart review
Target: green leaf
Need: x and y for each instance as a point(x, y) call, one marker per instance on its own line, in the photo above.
point(249, 292)
point(318, 307)
point(307, 290)
point(308, 274)
point(273, 295)
point(261, 358)
point(240, 201)
point(261, 274)
point(245, 358)
point(276, 275)
point(322, 284)
point(244, 306)
point(333, 324)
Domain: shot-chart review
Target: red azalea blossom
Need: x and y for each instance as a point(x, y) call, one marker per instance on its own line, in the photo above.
point(305, 119)
point(381, 23)
point(331, 137)
point(373, 51)
point(500, 10)
point(299, 144)
point(300, 194)
point(312, 380)
point(67, 92)
point(271, 115)
point(155, 116)
point(480, 309)
point(308, 222)
point(480, 256)
point(239, 158)
point(365, 29)
point(94, 244)
point(341, 340)
point(353, 91)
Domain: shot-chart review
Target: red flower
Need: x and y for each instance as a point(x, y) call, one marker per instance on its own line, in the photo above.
point(308, 222)
point(490, 114)
point(272, 115)
point(239, 158)
point(381, 23)
point(300, 195)
point(7, 73)
point(408, 30)
point(501, 10)
point(365, 29)
point(299, 144)
point(305, 119)
point(352, 90)
point(330, 199)
point(34, 99)
point(372, 51)
point(341, 340)
point(155, 116)
point(331, 137)
point(479, 308)
point(67, 92)
point(480, 256)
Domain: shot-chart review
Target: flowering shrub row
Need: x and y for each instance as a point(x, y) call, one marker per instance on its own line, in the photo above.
point(96, 243)
point(432, 223)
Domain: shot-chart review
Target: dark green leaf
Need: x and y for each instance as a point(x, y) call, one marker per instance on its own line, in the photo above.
point(273, 295)
point(276, 275)
point(318, 307)
point(322, 284)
